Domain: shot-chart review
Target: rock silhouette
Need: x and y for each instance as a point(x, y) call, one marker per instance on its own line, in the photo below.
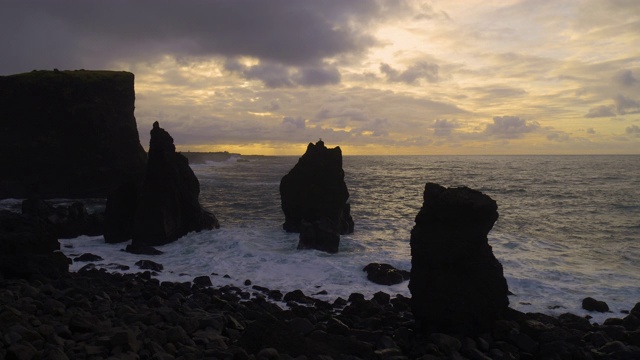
point(68, 134)
point(166, 207)
point(457, 285)
point(314, 199)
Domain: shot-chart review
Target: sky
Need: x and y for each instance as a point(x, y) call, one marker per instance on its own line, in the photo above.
point(371, 76)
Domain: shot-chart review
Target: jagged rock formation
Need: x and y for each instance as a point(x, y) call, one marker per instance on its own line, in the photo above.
point(457, 284)
point(166, 207)
point(67, 134)
point(314, 199)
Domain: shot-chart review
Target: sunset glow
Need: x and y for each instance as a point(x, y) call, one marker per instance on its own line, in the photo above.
point(372, 76)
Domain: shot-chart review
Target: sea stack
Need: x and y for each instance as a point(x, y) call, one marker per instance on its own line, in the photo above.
point(167, 206)
point(68, 134)
point(457, 284)
point(314, 199)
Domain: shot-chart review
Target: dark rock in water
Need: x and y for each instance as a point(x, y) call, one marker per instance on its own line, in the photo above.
point(202, 281)
point(149, 265)
point(68, 134)
point(65, 221)
point(457, 285)
point(591, 304)
point(142, 250)
point(385, 274)
point(166, 207)
point(29, 247)
point(321, 234)
point(314, 199)
point(87, 257)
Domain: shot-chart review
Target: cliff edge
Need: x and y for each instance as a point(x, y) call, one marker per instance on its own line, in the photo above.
point(68, 134)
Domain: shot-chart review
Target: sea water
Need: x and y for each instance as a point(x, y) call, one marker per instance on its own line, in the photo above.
point(569, 228)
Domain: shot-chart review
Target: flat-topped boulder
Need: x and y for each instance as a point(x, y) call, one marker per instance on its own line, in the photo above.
point(68, 134)
point(457, 284)
point(314, 199)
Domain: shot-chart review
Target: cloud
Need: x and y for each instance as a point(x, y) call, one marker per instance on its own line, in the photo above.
point(601, 111)
point(624, 105)
point(46, 34)
point(625, 78)
point(297, 123)
point(411, 75)
point(633, 130)
point(444, 127)
point(274, 75)
point(510, 127)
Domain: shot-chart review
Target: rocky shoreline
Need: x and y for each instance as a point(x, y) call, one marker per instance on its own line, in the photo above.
point(93, 314)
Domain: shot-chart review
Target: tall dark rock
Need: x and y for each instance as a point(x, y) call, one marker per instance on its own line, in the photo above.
point(314, 199)
point(168, 206)
point(69, 134)
point(457, 284)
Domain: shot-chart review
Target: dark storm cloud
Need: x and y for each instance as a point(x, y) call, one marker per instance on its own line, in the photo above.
point(293, 33)
point(411, 75)
point(510, 127)
point(275, 75)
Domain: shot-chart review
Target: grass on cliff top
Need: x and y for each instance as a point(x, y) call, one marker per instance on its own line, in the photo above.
point(82, 75)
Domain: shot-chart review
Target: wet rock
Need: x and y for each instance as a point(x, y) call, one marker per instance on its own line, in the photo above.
point(87, 257)
point(142, 250)
point(385, 274)
point(457, 284)
point(591, 304)
point(314, 199)
point(202, 281)
point(149, 265)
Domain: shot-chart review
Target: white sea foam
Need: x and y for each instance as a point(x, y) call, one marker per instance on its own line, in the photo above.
point(570, 230)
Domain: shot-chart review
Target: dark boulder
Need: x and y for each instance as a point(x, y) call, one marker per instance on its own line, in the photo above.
point(166, 207)
point(314, 199)
point(142, 250)
point(29, 247)
point(149, 265)
point(68, 134)
point(591, 304)
point(457, 285)
point(385, 274)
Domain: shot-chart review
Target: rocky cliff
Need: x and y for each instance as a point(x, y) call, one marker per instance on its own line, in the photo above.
point(68, 134)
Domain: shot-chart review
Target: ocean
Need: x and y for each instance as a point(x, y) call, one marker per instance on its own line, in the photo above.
point(569, 228)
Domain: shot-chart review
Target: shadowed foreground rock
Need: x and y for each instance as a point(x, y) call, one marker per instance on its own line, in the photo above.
point(95, 315)
point(457, 284)
point(167, 206)
point(314, 199)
